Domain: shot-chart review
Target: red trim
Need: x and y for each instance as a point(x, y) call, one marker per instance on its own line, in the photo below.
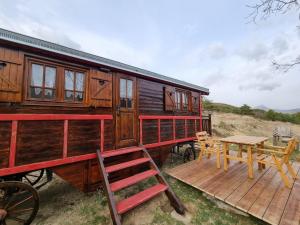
point(102, 136)
point(173, 118)
point(13, 143)
point(185, 129)
point(174, 129)
point(41, 165)
point(158, 130)
point(169, 142)
point(145, 117)
point(141, 132)
point(12, 169)
point(65, 149)
point(10, 117)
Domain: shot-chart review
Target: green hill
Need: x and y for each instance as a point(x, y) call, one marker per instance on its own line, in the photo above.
point(247, 110)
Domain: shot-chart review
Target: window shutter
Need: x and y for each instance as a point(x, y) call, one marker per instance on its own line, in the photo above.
point(11, 72)
point(169, 94)
point(100, 89)
point(195, 102)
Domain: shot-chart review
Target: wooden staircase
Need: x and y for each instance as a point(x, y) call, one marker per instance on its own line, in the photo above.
point(143, 160)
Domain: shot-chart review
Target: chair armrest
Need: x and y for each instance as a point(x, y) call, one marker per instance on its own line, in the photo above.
point(274, 147)
point(270, 151)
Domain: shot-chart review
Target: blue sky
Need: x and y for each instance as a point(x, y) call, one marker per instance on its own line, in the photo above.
point(209, 43)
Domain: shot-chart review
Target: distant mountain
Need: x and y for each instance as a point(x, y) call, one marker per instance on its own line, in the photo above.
point(290, 111)
point(262, 107)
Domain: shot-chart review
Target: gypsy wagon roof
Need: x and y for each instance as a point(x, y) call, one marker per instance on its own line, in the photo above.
point(56, 48)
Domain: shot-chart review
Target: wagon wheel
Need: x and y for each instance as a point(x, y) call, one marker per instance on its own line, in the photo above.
point(189, 154)
point(33, 177)
point(19, 203)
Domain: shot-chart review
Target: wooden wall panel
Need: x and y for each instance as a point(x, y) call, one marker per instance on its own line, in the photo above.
point(83, 138)
point(5, 134)
point(180, 129)
point(109, 135)
point(166, 130)
point(39, 141)
point(75, 174)
point(150, 131)
point(11, 75)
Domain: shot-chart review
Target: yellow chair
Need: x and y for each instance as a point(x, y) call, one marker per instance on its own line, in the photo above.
point(209, 146)
point(278, 156)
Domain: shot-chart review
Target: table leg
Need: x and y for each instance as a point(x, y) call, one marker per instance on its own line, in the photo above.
point(240, 154)
point(262, 146)
point(225, 156)
point(250, 161)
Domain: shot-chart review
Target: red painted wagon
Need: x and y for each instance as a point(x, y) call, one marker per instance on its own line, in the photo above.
point(87, 119)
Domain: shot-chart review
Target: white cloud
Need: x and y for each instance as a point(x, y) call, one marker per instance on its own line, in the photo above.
point(255, 51)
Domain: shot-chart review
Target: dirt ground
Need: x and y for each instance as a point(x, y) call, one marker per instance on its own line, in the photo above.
point(61, 204)
point(226, 124)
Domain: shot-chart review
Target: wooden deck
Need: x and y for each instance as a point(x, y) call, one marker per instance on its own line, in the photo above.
point(264, 197)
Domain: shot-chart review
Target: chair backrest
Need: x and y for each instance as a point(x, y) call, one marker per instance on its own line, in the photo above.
point(202, 136)
point(291, 147)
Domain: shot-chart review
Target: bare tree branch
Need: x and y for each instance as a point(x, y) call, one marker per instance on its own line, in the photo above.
point(265, 8)
point(285, 67)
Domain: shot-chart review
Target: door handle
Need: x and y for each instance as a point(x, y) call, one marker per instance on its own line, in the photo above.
point(118, 110)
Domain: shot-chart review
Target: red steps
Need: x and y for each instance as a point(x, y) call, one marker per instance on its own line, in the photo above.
point(125, 165)
point(120, 152)
point(129, 203)
point(123, 206)
point(118, 185)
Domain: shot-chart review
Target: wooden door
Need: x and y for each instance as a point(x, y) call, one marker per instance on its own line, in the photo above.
point(125, 111)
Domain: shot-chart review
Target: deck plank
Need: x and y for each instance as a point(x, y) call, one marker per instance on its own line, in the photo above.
point(231, 185)
point(224, 177)
point(264, 197)
point(242, 190)
point(246, 202)
point(262, 202)
point(291, 214)
point(276, 207)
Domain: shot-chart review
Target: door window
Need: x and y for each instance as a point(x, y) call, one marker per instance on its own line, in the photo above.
point(126, 93)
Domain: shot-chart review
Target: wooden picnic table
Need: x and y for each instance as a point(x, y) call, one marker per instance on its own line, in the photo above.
point(242, 140)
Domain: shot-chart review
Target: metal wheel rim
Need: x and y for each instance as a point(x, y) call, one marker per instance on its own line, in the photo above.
point(14, 195)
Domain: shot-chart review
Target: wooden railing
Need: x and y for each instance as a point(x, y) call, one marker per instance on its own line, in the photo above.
point(15, 118)
point(174, 119)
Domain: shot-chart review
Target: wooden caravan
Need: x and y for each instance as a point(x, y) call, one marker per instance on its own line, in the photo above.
point(58, 106)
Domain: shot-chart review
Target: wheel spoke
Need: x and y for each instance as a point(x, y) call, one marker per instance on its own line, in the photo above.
point(31, 175)
point(29, 181)
point(16, 219)
point(20, 211)
point(21, 202)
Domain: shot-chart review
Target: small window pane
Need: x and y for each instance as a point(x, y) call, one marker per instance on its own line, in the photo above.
point(79, 81)
point(123, 88)
point(36, 92)
point(129, 89)
point(50, 77)
point(178, 100)
point(129, 103)
point(123, 103)
point(49, 94)
point(78, 96)
point(69, 95)
point(69, 80)
point(37, 75)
